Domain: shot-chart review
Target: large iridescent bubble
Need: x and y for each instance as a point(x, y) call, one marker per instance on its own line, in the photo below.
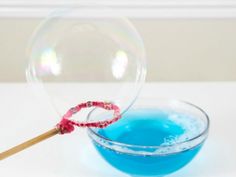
point(86, 53)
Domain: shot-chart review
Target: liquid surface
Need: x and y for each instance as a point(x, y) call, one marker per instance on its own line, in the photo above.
point(150, 127)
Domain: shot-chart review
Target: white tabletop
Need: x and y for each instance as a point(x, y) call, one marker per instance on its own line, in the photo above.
point(22, 117)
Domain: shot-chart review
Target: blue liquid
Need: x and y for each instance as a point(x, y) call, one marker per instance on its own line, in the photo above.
point(146, 127)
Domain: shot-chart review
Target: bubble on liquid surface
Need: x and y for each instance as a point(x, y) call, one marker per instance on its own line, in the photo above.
point(76, 55)
point(191, 126)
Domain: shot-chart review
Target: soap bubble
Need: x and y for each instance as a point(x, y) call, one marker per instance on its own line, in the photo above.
point(81, 54)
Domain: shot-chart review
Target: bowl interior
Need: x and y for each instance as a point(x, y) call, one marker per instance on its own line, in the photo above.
point(184, 124)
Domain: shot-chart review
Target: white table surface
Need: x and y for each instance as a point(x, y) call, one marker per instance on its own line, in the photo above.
point(22, 117)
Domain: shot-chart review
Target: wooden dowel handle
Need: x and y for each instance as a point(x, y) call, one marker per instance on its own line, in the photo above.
point(29, 143)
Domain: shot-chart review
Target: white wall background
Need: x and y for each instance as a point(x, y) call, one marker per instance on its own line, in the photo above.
point(177, 49)
point(185, 40)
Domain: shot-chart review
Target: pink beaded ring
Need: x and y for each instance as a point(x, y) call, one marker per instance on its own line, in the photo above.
point(66, 125)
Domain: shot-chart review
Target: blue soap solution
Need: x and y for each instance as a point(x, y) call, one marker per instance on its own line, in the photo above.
point(146, 127)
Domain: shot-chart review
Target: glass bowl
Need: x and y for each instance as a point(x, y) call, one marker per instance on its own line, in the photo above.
point(155, 137)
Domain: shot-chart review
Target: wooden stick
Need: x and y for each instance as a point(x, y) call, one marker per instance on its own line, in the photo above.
point(29, 143)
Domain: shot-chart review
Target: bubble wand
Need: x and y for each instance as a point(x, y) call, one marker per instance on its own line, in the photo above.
point(67, 125)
